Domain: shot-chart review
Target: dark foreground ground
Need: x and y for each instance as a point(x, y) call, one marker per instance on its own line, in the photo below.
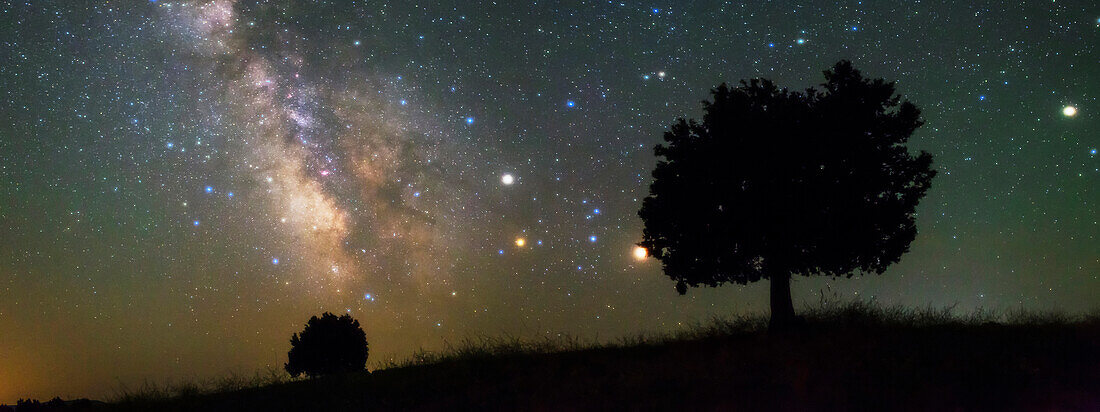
point(846, 360)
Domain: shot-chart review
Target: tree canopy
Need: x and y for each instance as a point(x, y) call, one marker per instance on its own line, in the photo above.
point(328, 345)
point(774, 183)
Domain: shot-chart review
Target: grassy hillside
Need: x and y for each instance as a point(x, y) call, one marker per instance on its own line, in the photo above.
point(855, 357)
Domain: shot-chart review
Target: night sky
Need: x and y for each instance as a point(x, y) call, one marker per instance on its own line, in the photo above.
point(182, 184)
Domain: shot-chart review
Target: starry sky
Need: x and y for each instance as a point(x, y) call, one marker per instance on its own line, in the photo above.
point(184, 183)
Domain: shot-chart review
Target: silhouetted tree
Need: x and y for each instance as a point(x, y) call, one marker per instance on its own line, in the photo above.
point(328, 345)
point(774, 183)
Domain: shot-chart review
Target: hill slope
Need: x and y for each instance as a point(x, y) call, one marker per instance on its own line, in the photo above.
point(848, 359)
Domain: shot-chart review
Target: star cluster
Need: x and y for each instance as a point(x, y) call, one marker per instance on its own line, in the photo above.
point(184, 183)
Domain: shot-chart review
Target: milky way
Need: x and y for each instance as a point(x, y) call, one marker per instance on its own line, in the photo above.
point(322, 150)
point(184, 183)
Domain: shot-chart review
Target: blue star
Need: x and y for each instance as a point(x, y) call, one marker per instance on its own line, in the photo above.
point(209, 189)
point(570, 103)
point(982, 97)
point(592, 238)
point(771, 45)
point(596, 211)
point(169, 145)
point(855, 28)
point(404, 102)
point(196, 223)
point(469, 120)
point(274, 261)
point(416, 194)
point(500, 251)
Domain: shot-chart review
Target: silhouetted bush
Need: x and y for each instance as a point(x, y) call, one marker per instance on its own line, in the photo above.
point(774, 183)
point(33, 405)
point(28, 405)
point(328, 345)
point(54, 405)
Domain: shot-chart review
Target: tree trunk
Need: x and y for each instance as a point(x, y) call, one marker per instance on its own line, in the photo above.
point(782, 308)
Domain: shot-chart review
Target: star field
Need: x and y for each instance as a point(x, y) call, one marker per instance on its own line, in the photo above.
point(184, 183)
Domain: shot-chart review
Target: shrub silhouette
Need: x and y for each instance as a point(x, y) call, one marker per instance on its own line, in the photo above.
point(774, 183)
point(33, 405)
point(327, 345)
